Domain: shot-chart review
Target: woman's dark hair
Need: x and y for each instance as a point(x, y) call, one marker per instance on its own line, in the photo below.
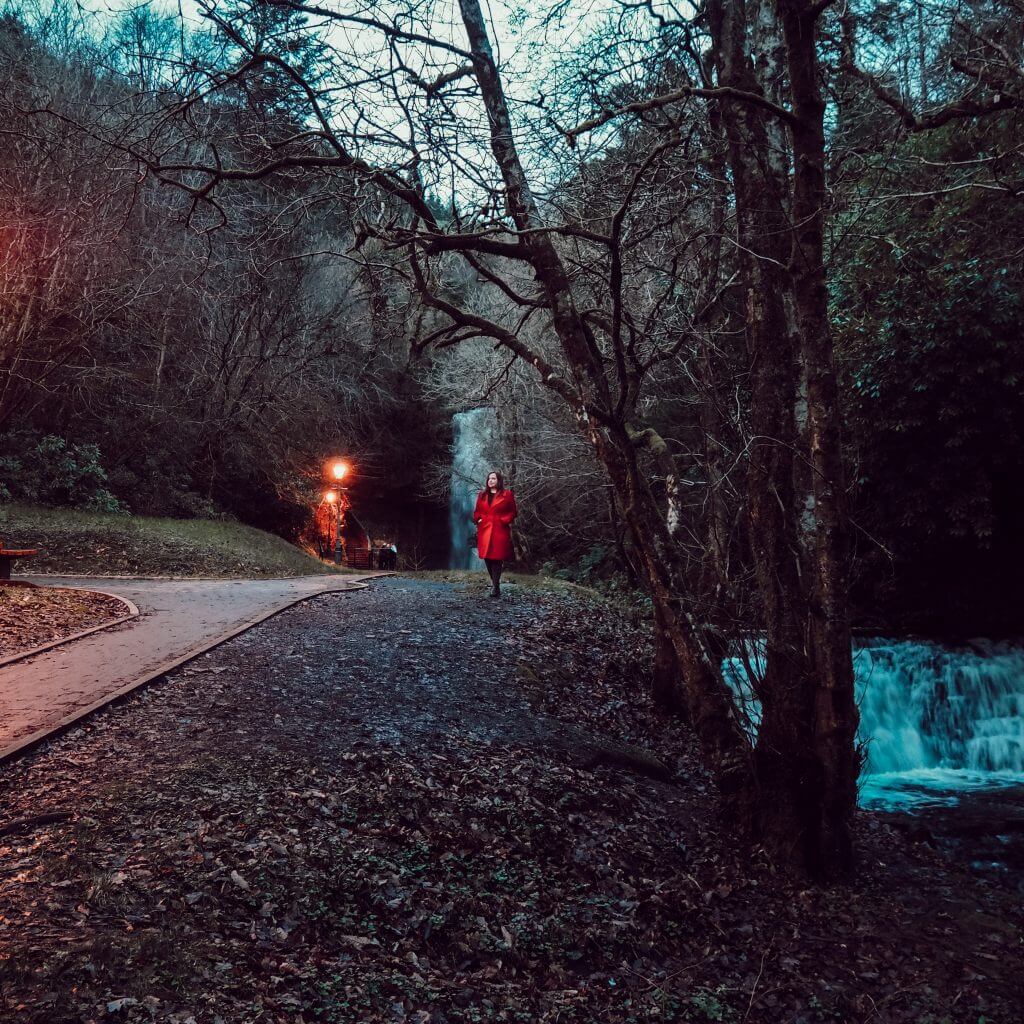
point(487, 490)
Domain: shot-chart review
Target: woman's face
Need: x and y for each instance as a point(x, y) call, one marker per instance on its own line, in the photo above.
point(492, 481)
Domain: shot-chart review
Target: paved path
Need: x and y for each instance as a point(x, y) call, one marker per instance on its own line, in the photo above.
point(176, 617)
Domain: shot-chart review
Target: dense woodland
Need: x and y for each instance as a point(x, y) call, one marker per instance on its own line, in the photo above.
point(742, 281)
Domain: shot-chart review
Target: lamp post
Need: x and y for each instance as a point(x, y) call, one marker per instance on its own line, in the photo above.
point(331, 497)
point(338, 469)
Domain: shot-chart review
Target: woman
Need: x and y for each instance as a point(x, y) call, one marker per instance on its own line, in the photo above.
point(493, 515)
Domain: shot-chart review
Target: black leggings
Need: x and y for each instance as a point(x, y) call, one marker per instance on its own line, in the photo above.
point(494, 566)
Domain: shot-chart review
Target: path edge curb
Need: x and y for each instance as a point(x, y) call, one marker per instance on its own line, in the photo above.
point(28, 743)
point(133, 611)
point(194, 579)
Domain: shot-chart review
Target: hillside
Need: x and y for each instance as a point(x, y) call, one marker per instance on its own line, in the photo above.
point(85, 543)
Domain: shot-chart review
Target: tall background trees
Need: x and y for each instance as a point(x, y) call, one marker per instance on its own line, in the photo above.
point(211, 355)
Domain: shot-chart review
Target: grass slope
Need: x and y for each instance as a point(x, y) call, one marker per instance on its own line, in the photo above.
point(85, 543)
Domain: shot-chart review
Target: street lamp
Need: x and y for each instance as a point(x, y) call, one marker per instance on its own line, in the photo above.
point(335, 499)
point(338, 470)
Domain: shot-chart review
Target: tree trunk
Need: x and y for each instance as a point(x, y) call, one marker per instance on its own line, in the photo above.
point(835, 710)
point(708, 699)
point(803, 757)
point(666, 685)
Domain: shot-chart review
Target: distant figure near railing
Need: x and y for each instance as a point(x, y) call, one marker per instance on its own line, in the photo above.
point(387, 557)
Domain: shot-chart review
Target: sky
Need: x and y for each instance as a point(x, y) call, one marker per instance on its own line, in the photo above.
point(504, 17)
point(531, 49)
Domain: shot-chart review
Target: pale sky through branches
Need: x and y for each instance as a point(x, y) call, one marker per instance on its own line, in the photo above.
point(536, 47)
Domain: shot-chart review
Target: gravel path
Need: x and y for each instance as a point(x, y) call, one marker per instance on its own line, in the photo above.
point(350, 814)
point(405, 661)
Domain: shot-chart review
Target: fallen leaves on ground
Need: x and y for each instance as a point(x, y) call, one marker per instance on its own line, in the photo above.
point(289, 841)
point(33, 616)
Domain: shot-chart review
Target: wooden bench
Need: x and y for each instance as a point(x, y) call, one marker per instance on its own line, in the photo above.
point(8, 557)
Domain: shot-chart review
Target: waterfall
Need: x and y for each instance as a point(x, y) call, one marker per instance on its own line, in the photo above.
point(939, 719)
point(936, 720)
point(474, 435)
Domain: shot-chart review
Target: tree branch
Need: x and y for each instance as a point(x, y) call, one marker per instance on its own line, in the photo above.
point(686, 92)
point(959, 109)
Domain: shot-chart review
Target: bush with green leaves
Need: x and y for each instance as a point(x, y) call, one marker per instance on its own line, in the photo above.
point(49, 470)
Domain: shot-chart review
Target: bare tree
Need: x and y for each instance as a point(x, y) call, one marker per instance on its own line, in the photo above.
point(611, 274)
point(604, 360)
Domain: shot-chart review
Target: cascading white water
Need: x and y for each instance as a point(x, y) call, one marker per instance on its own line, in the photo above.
point(474, 433)
point(936, 720)
point(939, 719)
point(927, 706)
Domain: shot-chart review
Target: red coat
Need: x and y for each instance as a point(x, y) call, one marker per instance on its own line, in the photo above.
point(494, 524)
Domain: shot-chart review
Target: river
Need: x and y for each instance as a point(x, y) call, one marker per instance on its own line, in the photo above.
point(939, 721)
point(943, 729)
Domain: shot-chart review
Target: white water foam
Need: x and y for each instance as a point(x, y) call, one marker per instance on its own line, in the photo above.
point(474, 433)
point(938, 721)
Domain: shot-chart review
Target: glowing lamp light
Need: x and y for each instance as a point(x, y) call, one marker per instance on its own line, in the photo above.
point(337, 499)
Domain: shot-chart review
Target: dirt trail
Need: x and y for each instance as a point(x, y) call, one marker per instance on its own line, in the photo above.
point(405, 661)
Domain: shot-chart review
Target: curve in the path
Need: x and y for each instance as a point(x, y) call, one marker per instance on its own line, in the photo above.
point(130, 611)
point(178, 620)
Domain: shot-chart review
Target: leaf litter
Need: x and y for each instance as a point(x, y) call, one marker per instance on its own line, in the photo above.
point(32, 616)
point(343, 827)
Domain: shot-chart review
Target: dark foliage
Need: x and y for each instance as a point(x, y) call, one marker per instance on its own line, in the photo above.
point(929, 306)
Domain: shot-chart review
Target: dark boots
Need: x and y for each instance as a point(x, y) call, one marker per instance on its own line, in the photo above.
point(494, 571)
